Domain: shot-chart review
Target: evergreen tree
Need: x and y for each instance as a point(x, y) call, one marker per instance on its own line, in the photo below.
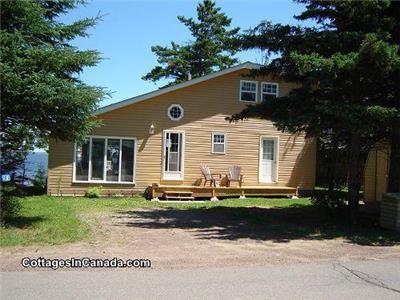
point(211, 50)
point(41, 92)
point(349, 69)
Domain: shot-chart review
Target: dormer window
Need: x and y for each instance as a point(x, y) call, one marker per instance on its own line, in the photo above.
point(248, 91)
point(269, 89)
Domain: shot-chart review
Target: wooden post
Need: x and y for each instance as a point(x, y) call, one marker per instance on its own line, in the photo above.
point(153, 194)
point(296, 195)
point(213, 195)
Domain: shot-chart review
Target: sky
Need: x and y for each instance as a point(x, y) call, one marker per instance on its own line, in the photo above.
point(129, 28)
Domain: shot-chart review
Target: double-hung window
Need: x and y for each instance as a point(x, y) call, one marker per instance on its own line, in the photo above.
point(268, 90)
point(218, 143)
point(105, 159)
point(248, 91)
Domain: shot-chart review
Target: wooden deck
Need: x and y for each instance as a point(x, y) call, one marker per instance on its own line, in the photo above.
point(157, 192)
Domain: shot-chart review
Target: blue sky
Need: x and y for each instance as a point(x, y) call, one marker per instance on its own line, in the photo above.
point(130, 28)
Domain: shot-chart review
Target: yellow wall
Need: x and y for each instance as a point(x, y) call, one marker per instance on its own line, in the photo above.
point(205, 107)
point(376, 174)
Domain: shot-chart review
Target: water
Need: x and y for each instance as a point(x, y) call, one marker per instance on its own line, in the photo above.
point(34, 161)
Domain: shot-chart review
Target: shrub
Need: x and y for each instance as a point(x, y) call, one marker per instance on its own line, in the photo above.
point(40, 181)
point(94, 192)
point(9, 203)
point(330, 200)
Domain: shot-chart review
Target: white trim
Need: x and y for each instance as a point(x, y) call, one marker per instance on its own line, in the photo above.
point(182, 112)
point(276, 157)
point(120, 161)
point(240, 91)
point(266, 93)
point(74, 165)
point(212, 142)
point(104, 181)
point(182, 172)
point(246, 65)
point(105, 159)
point(90, 160)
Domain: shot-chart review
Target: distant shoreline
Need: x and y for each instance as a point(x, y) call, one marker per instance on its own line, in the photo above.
point(34, 161)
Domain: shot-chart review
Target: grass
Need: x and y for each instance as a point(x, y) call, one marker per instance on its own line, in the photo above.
point(55, 220)
point(45, 220)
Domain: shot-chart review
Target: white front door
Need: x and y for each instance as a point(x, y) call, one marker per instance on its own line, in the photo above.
point(173, 144)
point(268, 159)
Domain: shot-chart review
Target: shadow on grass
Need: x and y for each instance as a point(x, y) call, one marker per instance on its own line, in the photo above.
point(279, 225)
point(22, 222)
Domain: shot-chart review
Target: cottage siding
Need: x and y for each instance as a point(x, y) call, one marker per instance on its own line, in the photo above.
point(376, 174)
point(206, 105)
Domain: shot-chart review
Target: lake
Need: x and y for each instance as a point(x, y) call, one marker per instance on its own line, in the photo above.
point(34, 161)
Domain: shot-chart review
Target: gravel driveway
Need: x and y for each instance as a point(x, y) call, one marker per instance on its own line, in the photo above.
point(174, 239)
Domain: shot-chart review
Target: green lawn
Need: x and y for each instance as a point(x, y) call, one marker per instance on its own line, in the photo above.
point(56, 220)
point(46, 220)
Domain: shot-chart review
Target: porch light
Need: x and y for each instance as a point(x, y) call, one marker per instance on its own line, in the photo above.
point(151, 129)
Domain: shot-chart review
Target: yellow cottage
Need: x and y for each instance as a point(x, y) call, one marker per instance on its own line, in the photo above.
point(158, 141)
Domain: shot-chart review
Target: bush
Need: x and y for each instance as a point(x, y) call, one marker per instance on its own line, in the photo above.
point(330, 200)
point(9, 203)
point(94, 192)
point(40, 181)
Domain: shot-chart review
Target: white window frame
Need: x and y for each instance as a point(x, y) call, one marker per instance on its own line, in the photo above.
point(213, 143)
point(266, 93)
point(276, 155)
point(182, 112)
point(106, 138)
point(240, 91)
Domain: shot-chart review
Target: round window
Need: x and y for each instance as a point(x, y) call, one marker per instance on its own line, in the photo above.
point(175, 112)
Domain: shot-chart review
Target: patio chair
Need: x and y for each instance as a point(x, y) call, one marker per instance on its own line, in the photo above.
point(208, 176)
point(234, 175)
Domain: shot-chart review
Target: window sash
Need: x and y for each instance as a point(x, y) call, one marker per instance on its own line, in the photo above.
point(267, 89)
point(97, 168)
point(248, 88)
point(218, 139)
point(105, 166)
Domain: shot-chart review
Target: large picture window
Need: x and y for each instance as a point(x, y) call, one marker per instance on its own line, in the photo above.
point(105, 159)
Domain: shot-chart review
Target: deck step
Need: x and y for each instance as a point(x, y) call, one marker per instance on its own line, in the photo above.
point(178, 192)
point(178, 195)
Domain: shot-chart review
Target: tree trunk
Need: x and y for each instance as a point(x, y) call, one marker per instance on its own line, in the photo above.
point(356, 168)
point(394, 168)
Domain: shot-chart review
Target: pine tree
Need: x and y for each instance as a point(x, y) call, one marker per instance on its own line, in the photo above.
point(212, 48)
point(41, 92)
point(349, 69)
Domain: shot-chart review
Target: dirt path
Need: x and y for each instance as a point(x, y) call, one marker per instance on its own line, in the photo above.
point(174, 239)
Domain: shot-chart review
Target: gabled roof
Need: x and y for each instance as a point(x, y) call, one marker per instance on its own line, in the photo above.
point(129, 101)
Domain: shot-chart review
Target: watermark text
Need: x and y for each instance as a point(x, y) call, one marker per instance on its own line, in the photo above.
point(85, 262)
